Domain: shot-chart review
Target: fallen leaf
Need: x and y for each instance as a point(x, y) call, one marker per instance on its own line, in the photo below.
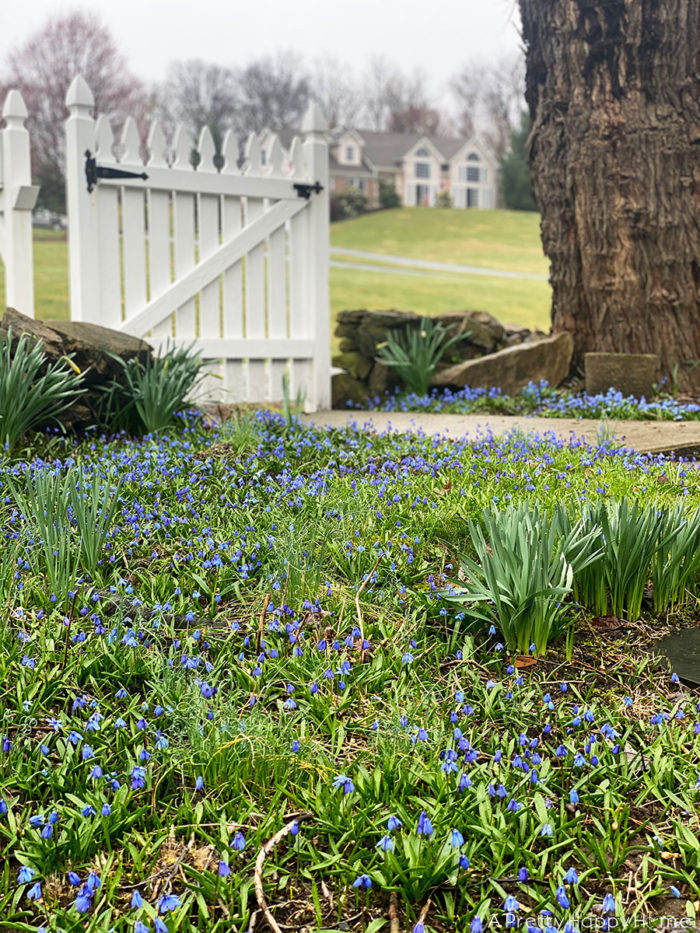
point(605, 623)
point(524, 660)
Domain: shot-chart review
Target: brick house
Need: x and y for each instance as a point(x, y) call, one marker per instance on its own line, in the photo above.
point(417, 166)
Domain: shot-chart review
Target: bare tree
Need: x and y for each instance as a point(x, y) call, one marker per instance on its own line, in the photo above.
point(613, 88)
point(489, 98)
point(274, 93)
point(398, 102)
point(200, 94)
point(43, 68)
point(335, 91)
point(381, 80)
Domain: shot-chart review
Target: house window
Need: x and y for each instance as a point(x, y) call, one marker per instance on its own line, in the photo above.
point(358, 183)
point(263, 156)
point(422, 153)
point(422, 169)
point(473, 173)
point(473, 157)
point(350, 154)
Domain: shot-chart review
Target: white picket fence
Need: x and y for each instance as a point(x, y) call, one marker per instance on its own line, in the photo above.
point(233, 261)
point(17, 199)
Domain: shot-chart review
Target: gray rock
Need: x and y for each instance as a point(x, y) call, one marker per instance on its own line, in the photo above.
point(629, 373)
point(345, 389)
point(358, 366)
point(511, 369)
point(483, 329)
point(92, 349)
point(381, 378)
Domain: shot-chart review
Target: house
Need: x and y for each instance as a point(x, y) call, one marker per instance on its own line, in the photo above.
point(417, 166)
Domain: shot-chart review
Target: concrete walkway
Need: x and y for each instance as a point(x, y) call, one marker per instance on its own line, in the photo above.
point(683, 437)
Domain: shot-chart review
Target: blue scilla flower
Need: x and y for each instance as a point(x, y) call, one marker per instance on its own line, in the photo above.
point(424, 827)
point(138, 777)
point(168, 903)
point(238, 842)
point(546, 830)
point(394, 823)
point(136, 900)
point(25, 874)
point(608, 903)
point(140, 927)
point(386, 844)
point(362, 881)
point(224, 869)
point(106, 809)
point(571, 877)
point(34, 893)
point(523, 874)
point(562, 897)
point(476, 926)
point(342, 780)
point(573, 796)
point(510, 905)
point(456, 839)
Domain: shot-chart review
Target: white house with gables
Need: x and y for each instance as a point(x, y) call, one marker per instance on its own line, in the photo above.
point(417, 166)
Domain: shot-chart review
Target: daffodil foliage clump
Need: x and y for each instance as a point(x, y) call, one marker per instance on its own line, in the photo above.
point(218, 638)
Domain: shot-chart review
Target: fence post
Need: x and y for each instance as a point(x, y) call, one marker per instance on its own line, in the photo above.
point(83, 246)
point(18, 197)
point(314, 128)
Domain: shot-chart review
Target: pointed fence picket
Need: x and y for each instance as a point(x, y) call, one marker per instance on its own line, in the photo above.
point(17, 199)
point(186, 248)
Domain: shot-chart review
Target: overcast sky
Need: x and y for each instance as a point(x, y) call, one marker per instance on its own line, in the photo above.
point(436, 37)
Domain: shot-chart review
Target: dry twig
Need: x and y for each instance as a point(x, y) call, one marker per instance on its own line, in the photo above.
point(260, 862)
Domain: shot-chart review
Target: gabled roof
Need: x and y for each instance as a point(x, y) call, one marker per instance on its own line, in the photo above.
point(391, 148)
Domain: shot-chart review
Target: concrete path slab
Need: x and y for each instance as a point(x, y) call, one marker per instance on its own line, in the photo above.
point(681, 437)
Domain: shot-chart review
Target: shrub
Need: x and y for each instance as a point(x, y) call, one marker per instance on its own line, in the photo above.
point(443, 198)
point(32, 394)
point(388, 196)
point(415, 353)
point(152, 392)
point(350, 202)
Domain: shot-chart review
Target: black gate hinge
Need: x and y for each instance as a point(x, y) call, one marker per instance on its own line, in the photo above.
point(93, 172)
point(304, 190)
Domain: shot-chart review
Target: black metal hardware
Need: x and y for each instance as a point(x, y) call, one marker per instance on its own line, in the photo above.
point(305, 191)
point(93, 172)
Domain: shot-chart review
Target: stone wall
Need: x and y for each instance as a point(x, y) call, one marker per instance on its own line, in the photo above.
point(362, 333)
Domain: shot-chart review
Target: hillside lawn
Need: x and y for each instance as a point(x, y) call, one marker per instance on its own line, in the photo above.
point(507, 240)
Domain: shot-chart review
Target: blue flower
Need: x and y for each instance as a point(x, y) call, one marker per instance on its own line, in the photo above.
point(608, 903)
point(224, 869)
point(425, 827)
point(386, 844)
point(562, 898)
point(362, 881)
point(342, 780)
point(456, 839)
point(168, 902)
point(136, 900)
point(34, 893)
point(238, 842)
point(476, 926)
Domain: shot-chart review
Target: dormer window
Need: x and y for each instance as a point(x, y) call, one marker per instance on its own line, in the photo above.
point(422, 153)
point(473, 157)
point(350, 155)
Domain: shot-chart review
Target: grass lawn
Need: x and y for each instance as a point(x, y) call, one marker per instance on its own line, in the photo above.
point(493, 239)
point(507, 240)
point(264, 669)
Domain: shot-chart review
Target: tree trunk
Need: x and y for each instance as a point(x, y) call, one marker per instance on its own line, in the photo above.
point(613, 88)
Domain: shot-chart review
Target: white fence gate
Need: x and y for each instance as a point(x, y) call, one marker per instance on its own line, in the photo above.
point(17, 199)
point(234, 261)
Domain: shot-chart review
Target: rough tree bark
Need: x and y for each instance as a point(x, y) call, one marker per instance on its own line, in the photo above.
point(613, 88)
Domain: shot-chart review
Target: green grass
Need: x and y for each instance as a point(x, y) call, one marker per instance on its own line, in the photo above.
point(492, 239)
point(516, 301)
point(268, 617)
point(507, 240)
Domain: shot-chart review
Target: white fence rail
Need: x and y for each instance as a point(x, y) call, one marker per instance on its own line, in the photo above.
point(17, 200)
point(234, 260)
